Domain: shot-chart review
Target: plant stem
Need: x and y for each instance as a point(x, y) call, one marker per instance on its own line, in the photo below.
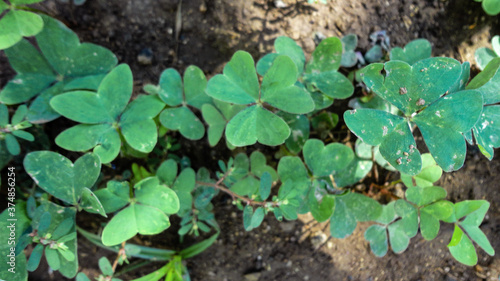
point(234, 195)
point(121, 253)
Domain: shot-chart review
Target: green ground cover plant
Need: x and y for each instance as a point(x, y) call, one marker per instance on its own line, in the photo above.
point(278, 101)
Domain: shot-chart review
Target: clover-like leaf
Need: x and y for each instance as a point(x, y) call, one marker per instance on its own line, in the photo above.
point(461, 248)
point(62, 58)
point(16, 24)
point(391, 132)
point(429, 174)
point(323, 160)
point(443, 123)
point(416, 91)
point(431, 215)
point(179, 94)
point(491, 7)
point(377, 236)
point(349, 44)
point(106, 111)
point(486, 134)
point(414, 51)
point(349, 209)
point(238, 84)
point(256, 123)
point(320, 204)
point(152, 200)
point(60, 177)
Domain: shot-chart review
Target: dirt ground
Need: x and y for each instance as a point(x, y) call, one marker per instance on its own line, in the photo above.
point(212, 30)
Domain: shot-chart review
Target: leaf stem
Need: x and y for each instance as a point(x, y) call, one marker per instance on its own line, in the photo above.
point(235, 196)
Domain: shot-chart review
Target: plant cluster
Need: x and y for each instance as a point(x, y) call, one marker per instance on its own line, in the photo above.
point(282, 100)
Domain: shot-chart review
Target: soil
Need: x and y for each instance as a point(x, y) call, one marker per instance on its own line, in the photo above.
point(212, 30)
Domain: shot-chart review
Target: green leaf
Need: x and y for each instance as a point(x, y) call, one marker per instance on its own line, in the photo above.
point(256, 124)
point(299, 126)
point(487, 135)
point(321, 205)
point(491, 7)
point(167, 172)
point(326, 56)
point(291, 169)
point(402, 230)
point(4, 115)
point(414, 51)
point(356, 170)
point(342, 223)
point(71, 58)
point(265, 185)
point(377, 236)
point(349, 44)
point(442, 125)
point(238, 84)
point(114, 197)
point(483, 56)
point(429, 174)
point(184, 120)
point(170, 86)
point(421, 83)
point(216, 123)
point(90, 203)
point(130, 221)
point(150, 192)
point(258, 165)
point(332, 83)
point(83, 137)
point(106, 105)
point(35, 257)
point(16, 24)
point(195, 84)
point(52, 258)
point(59, 214)
point(363, 208)
point(247, 217)
point(19, 115)
point(105, 266)
point(279, 90)
point(431, 215)
point(61, 178)
point(23, 135)
point(487, 81)
point(137, 124)
point(12, 144)
point(471, 225)
point(391, 132)
point(63, 228)
point(461, 248)
point(425, 195)
point(82, 277)
point(323, 160)
point(283, 46)
point(287, 46)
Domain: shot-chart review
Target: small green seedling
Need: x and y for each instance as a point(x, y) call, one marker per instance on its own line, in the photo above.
point(239, 85)
point(179, 96)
